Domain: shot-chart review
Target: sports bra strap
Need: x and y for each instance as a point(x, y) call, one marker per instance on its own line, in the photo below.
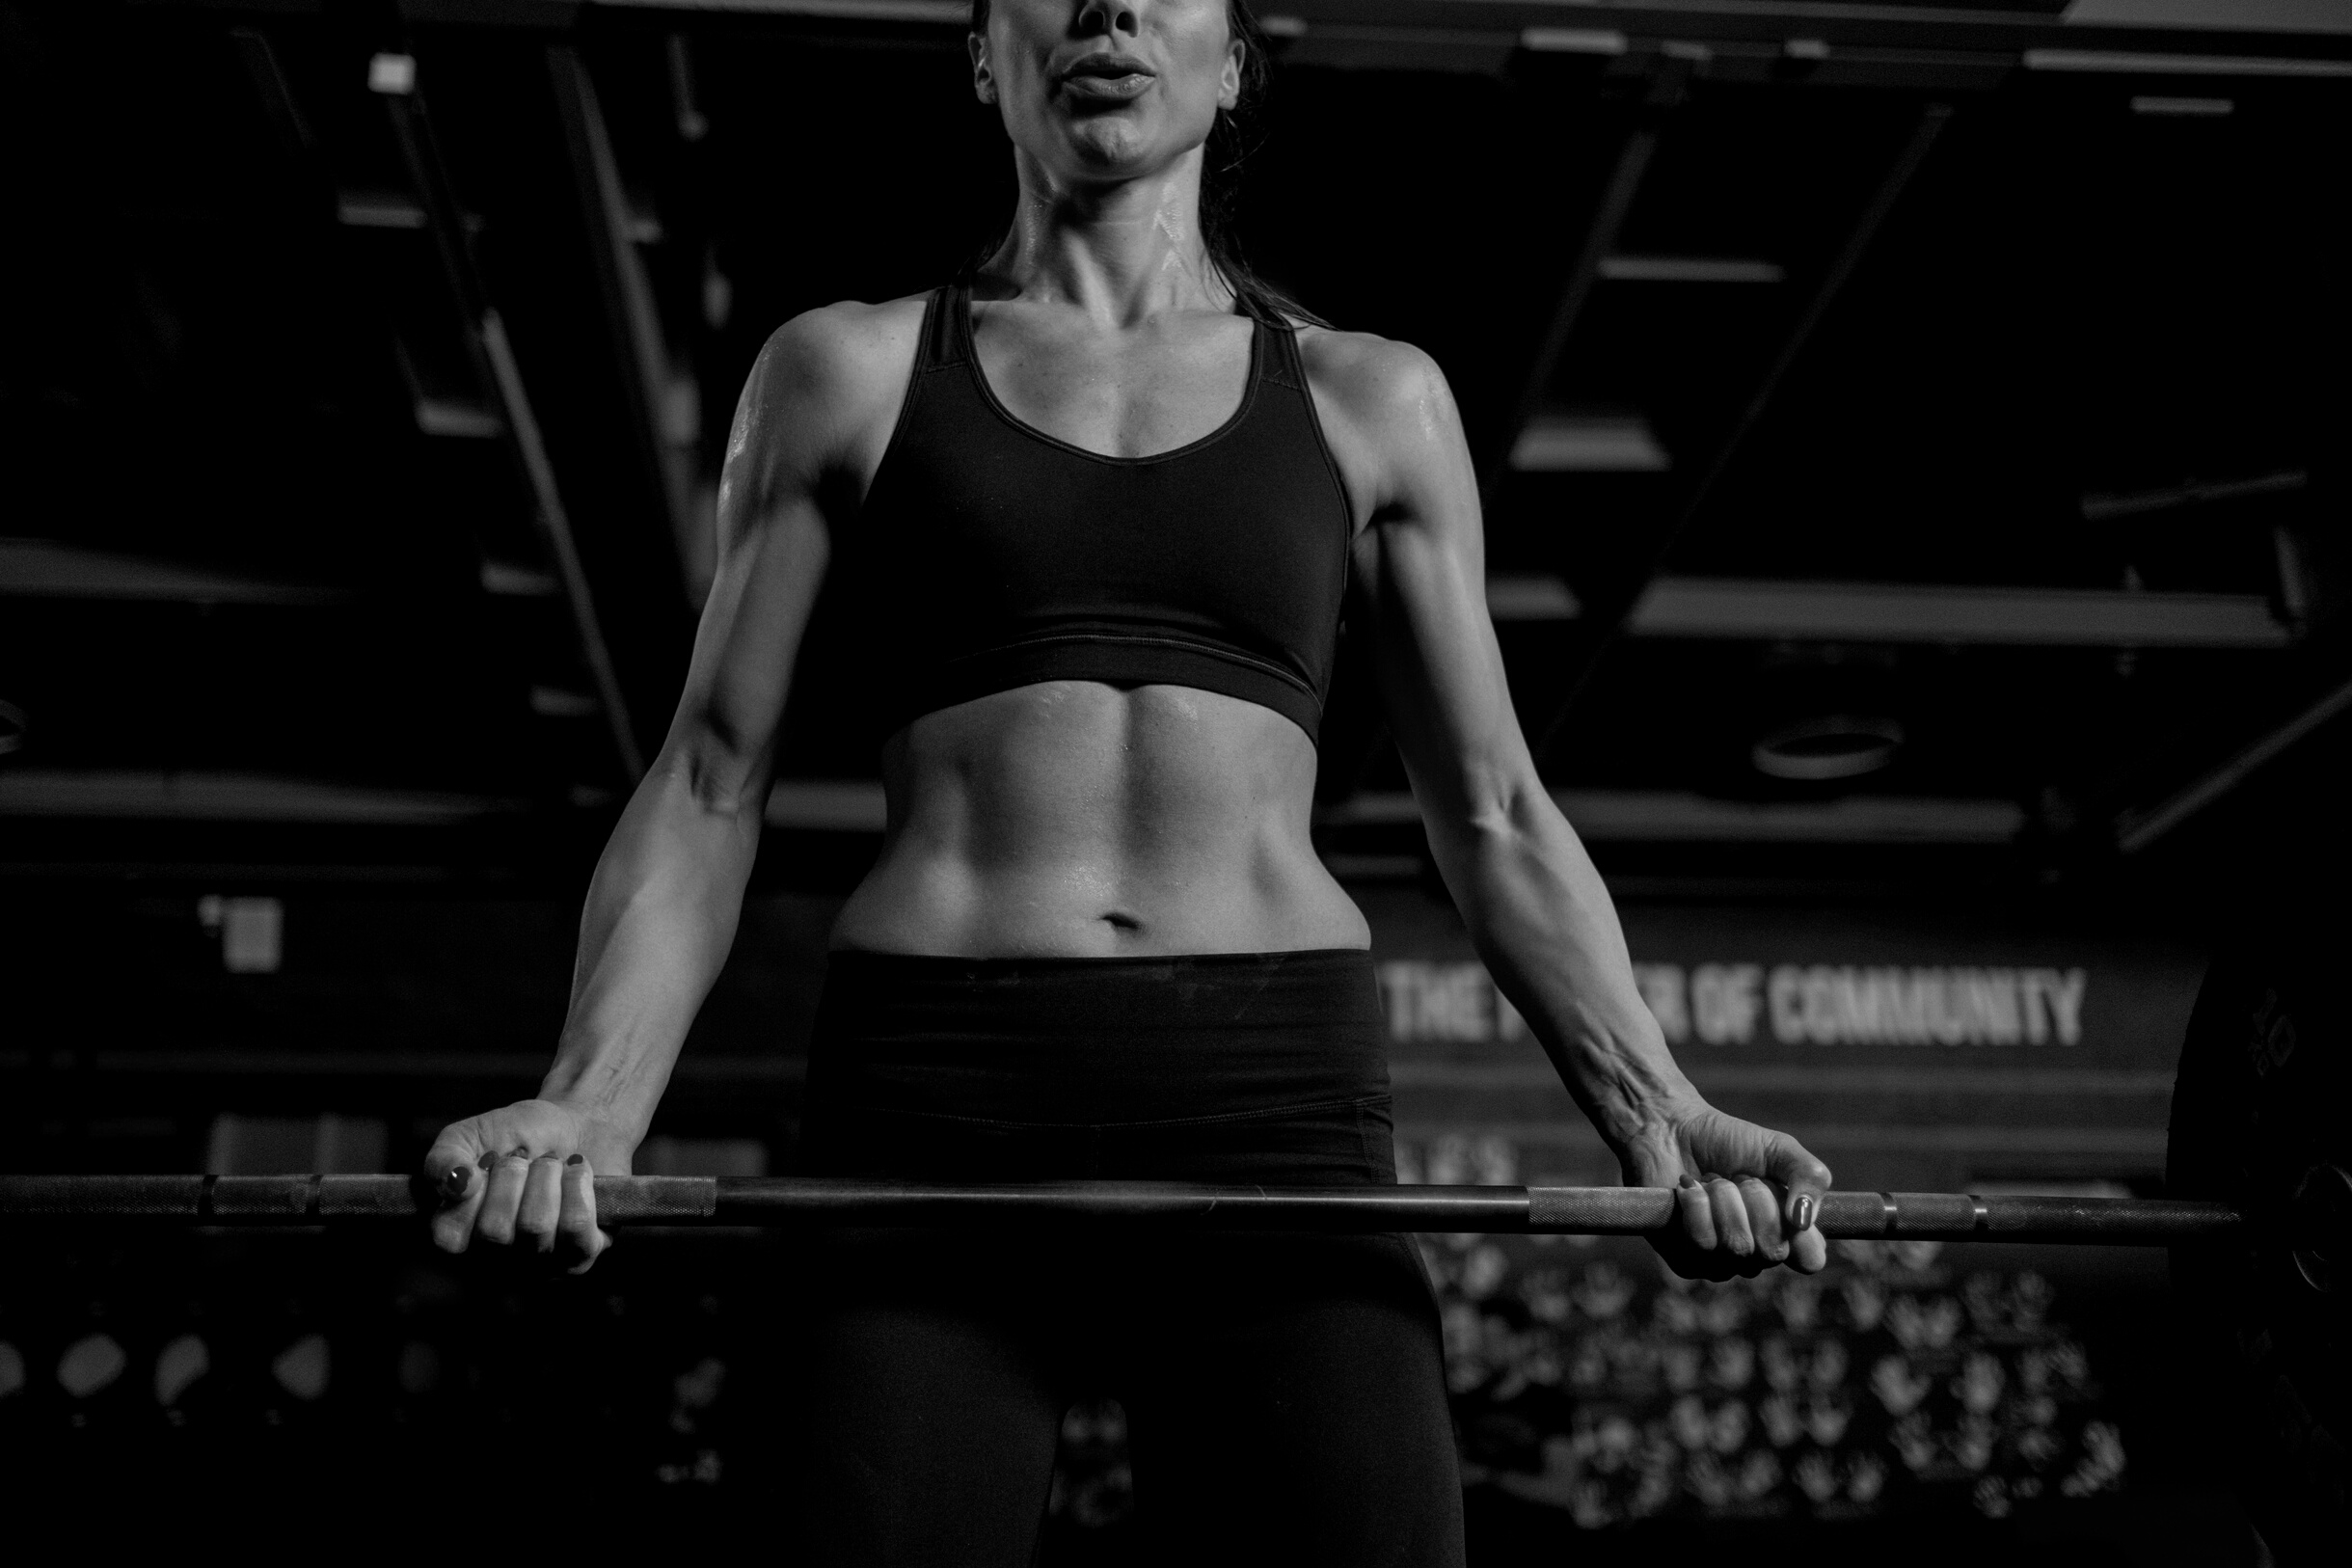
point(1278, 355)
point(943, 334)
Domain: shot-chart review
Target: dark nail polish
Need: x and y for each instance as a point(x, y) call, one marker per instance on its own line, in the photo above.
point(455, 1181)
point(1685, 1180)
point(487, 1160)
point(576, 1159)
point(1804, 1212)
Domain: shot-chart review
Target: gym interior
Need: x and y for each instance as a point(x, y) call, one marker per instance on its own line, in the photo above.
point(1911, 441)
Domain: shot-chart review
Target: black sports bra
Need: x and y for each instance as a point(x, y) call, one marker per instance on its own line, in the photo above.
point(993, 555)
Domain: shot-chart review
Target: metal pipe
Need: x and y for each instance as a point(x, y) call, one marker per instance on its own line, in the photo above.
point(797, 1201)
point(636, 323)
point(2135, 832)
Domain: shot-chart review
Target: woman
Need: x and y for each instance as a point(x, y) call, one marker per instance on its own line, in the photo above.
point(1107, 503)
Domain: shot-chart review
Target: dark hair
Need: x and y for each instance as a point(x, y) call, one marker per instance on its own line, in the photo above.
point(1230, 141)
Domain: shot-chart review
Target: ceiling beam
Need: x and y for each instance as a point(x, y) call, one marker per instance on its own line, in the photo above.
point(1645, 816)
point(51, 569)
point(224, 797)
point(1744, 608)
point(1671, 815)
point(1689, 269)
point(1846, 43)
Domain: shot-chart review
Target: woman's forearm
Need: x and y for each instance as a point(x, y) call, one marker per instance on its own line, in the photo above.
point(660, 918)
point(1543, 920)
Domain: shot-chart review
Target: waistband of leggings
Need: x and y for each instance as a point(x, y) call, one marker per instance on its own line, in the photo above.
point(1098, 1041)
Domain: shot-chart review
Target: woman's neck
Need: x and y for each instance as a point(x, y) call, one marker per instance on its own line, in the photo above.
point(1120, 253)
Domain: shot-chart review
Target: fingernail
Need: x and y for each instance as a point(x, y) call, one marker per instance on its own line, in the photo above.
point(520, 1153)
point(576, 1159)
point(455, 1181)
point(1804, 1212)
point(1685, 1180)
point(487, 1160)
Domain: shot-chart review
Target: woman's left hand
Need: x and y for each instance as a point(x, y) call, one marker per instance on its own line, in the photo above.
point(1747, 1197)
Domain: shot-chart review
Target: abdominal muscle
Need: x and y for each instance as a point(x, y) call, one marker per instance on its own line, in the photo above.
point(1070, 819)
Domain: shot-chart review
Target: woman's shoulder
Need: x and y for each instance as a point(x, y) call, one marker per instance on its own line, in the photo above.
point(835, 348)
point(828, 383)
point(1382, 385)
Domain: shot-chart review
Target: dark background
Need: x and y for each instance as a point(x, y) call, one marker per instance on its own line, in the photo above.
point(1969, 378)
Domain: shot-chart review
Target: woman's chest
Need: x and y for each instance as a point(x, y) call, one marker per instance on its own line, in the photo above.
point(1122, 396)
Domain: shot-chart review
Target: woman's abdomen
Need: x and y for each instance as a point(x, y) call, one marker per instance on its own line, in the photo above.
point(1072, 819)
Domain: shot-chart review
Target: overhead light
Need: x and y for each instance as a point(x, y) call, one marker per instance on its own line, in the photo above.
point(2150, 103)
point(1821, 716)
point(394, 76)
point(1588, 443)
point(1826, 747)
point(1601, 40)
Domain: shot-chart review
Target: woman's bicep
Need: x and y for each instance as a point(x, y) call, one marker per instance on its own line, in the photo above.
point(773, 547)
point(1440, 666)
point(749, 639)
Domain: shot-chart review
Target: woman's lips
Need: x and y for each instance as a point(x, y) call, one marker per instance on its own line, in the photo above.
point(1108, 89)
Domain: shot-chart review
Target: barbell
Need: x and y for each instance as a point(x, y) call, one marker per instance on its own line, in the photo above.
point(826, 1200)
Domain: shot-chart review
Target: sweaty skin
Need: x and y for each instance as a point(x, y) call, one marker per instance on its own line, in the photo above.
point(1074, 818)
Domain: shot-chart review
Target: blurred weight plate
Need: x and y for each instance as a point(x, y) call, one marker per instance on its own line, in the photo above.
point(2259, 1117)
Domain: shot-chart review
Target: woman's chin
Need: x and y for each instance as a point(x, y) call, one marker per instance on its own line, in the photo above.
point(1110, 145)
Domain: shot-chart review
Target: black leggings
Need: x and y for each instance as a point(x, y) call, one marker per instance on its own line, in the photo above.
point(1284, 1392)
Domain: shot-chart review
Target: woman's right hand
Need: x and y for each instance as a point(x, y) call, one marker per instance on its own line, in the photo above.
point(524, 1176)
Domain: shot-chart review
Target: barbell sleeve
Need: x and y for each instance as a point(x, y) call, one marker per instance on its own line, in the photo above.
point(808, 1201)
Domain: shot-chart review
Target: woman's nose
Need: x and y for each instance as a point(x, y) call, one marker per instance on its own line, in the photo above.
point(1108, 16)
